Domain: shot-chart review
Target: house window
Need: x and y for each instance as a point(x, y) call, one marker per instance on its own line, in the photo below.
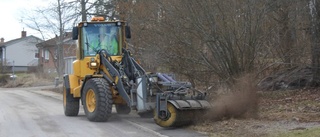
point(46, 55)
point(55, 54)
point(36, 55)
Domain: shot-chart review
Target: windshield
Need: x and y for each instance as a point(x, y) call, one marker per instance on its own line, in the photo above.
point(100, 36)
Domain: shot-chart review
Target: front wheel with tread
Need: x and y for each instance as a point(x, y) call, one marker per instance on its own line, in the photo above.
point(97, 100)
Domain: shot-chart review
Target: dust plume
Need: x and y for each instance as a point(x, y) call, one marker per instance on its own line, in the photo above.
point(240, 101)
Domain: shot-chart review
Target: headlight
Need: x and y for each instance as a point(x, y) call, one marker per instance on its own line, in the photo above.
point(93, 64)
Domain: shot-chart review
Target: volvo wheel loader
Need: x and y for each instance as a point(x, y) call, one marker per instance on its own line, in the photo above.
point(105, 74)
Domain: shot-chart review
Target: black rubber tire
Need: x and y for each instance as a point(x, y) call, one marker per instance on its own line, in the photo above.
point(103, 99)
point(70, 104)
point(123, 109)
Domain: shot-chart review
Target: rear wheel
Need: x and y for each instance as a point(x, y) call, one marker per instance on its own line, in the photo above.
point(70, 104)
point(123, 109)
point(97, 100)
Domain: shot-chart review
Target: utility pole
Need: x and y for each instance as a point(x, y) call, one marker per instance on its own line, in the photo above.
point(83, 10)
point(13, 76)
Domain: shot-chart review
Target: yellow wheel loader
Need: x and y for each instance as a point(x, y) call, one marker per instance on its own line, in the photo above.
point(105, 74)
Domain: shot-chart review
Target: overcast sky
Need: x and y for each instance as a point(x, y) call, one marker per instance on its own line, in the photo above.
point(11, 13)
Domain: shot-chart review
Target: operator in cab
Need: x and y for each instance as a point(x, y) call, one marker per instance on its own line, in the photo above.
point(101, 36)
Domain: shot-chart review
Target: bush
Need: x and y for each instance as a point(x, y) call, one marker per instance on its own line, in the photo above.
point(4, 79)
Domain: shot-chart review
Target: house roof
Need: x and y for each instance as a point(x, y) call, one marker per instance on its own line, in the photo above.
point(53, 41)
point(8, 43)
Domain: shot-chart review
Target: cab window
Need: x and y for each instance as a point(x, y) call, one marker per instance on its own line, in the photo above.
point(100, 36)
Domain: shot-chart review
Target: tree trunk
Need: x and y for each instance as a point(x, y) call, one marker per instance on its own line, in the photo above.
point(60, 42)
point(314, 12)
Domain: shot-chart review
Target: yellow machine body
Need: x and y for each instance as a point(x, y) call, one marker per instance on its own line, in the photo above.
point(105, 73)
point(82, 68)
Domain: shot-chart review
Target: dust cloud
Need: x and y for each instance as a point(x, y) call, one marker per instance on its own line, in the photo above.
point(240, 101)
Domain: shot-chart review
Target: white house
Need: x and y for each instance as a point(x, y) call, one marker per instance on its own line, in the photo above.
point(20, 53)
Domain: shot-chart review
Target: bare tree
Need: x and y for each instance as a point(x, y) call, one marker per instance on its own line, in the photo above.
point(315, 34)
point(56, 19)
point(222, 40)
point(202, 39)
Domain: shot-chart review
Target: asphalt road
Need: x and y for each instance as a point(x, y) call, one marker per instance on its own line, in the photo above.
point(32, 112)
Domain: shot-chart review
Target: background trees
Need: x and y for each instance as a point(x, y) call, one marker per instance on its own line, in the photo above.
point(211, 41)
point(215, 40)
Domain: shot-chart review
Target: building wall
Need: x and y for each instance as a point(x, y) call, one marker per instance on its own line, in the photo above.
point(69, 56)
point(69, 51)
point(22, 52)
point(68, 65)
point(47, 64)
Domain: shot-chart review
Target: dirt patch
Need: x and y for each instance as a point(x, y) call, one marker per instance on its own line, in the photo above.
point(26, 80)
point(244, 111)
point(298, 105)
point(278, 112)
point(57, 89)
point(251, 127)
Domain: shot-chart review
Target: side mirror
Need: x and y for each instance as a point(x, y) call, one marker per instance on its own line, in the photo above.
point(75, 33)
point(128, 32)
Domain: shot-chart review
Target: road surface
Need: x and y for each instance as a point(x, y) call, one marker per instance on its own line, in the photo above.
point(32, 112)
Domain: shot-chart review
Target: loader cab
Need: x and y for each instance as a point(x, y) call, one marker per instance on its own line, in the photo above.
point(95, 35)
